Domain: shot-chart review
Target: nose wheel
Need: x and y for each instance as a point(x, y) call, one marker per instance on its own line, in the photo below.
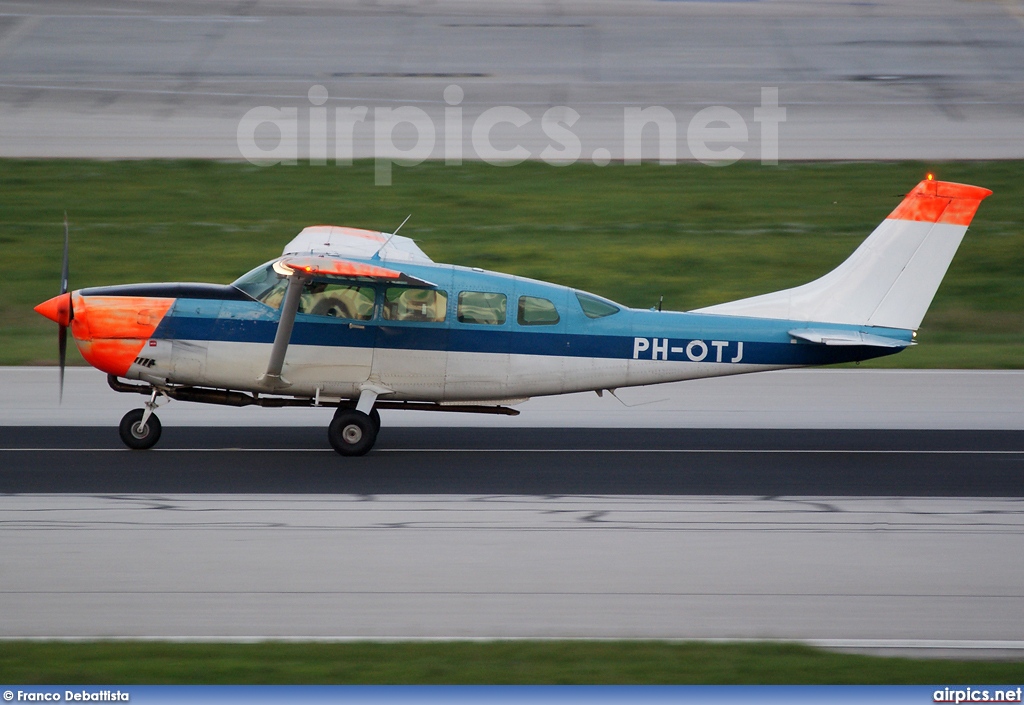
point(140, 428)
point(139, 432)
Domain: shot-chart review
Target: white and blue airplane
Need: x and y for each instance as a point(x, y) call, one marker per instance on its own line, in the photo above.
point(363, 320)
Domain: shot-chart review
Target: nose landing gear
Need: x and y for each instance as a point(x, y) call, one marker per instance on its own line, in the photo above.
point(140, 428)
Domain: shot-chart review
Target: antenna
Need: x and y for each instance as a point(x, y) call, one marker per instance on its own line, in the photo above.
point(633, 406)
point(376, 255)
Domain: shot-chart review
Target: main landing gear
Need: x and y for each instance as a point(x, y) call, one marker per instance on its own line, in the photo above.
point(352, 432)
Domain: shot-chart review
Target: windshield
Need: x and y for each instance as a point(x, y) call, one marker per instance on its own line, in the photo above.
point(264, 285)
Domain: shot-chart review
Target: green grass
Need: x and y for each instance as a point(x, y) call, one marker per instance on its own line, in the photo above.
point(480, 663)
point(697, 235)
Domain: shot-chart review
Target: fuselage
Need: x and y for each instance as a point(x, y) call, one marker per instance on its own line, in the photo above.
point(470, 335)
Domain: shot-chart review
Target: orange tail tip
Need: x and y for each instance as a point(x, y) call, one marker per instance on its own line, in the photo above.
point(57, 309)
point(941, 202)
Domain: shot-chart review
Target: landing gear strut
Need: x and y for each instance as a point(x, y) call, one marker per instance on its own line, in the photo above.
point(140, 428)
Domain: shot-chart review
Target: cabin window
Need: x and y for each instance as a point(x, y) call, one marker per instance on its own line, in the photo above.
point(483, 307)
point(411, 304)
point(337, 300)
point(595, 307)
point(535, 311)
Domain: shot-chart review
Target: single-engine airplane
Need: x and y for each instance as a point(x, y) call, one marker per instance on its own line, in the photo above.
point(364, 320)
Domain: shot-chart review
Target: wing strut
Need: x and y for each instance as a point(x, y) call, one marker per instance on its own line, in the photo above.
point(289, 308)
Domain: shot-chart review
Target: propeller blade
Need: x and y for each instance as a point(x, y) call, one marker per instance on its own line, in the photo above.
point(65, 267)
point(62, 346)
point(62, 332)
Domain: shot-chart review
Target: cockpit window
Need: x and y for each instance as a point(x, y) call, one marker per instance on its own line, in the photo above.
point(264, 284)
point(337, 300)
point(595, 307)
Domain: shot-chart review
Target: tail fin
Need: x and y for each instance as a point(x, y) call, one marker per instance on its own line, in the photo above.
point(891, 278)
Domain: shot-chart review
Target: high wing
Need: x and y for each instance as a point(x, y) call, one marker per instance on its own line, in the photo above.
point(324, 266)
point(355, 242)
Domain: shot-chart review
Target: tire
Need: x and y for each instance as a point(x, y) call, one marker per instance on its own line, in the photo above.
point(352, 432)
point(374, 415)
point(139, 438)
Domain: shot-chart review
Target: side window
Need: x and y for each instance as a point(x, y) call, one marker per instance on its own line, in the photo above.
point(535, 311)
point(409, 304)
point(337, 300)
point(595, 307)
point(482, 307)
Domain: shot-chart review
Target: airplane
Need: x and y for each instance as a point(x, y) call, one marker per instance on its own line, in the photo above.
point(363, 320)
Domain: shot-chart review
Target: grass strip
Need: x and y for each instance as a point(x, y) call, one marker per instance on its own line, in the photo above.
point(500, 662)
point(696, 234)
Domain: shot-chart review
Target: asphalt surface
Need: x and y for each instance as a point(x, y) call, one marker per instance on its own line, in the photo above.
point(889, 79)
point(934, 573)
point(521, 461)
point(824, 399)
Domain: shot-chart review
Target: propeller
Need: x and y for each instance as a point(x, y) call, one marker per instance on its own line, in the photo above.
point(60, 309)
point(64, 322)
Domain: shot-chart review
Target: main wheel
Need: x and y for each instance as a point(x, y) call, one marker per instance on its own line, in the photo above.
point(135, 435)
point(352, 432)
point(374, 415)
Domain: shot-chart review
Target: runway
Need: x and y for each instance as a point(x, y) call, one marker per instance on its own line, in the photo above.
point(795, 517)
point(891, 79)
point(242, 533)
point(521, 461)
point(870, 571)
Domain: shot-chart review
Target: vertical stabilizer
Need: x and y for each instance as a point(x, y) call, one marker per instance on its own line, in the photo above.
point(891, 278)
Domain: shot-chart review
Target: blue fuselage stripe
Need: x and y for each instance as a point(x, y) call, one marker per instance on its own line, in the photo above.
point(670, 342)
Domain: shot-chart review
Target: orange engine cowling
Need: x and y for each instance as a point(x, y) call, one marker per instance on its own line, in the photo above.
point(109, 330)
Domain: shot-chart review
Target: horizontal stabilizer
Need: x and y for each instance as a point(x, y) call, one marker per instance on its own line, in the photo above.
point(323, 266)
point(847, 337)
point(890, 280)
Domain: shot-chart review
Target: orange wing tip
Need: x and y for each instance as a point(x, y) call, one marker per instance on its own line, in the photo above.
point(941, 202)
point(329, 266)
point(950, 189)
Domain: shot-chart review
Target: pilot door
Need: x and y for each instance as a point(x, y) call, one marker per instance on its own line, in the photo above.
point(332, 342)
